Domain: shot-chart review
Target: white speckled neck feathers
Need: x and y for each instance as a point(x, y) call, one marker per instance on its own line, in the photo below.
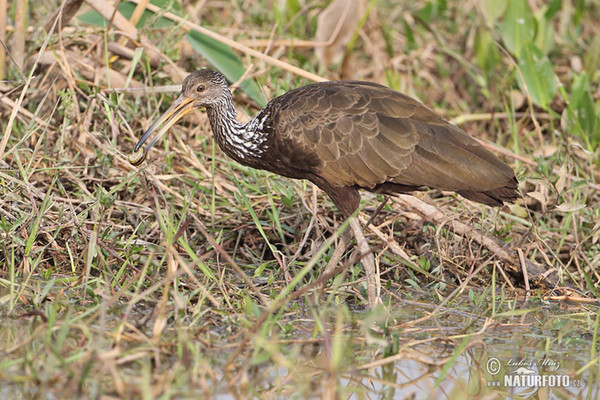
point(242, 142)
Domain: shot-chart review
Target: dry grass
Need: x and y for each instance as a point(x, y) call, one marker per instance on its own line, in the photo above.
point(193, 276)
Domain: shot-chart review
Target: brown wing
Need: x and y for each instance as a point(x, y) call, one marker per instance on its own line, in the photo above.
point(365, 134)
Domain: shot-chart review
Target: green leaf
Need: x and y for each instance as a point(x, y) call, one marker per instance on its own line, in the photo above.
point(518, 26)
point(409, 35)
point(579, 12)
point(493, 9)
point(126, 8)
point(554, 6)
point(222, 57)
point(487, 54)
point(538, 76)
point(582, 115)
point(426, 13)
point(544, 37)
point(583, 101)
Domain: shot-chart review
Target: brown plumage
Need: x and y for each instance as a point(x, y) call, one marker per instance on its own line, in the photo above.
point(345, 136)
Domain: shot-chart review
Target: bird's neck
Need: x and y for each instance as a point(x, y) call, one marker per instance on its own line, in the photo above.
point(242, 142)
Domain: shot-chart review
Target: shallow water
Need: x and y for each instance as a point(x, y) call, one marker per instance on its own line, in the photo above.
point(534, 350)
point(543, 353)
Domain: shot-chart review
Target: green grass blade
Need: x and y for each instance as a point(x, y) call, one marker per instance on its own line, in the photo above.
point(126, 8)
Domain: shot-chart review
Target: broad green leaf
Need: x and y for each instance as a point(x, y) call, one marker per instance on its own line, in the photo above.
point(426, 12)
point(493, 9)
point(222, 57)
point(538, 77)
point(518, 26)
point(432, 10)
point(126, 8)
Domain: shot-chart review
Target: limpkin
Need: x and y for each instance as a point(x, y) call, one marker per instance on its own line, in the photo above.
point(344, 136)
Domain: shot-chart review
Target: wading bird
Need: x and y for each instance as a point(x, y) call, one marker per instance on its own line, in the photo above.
point(344, 136)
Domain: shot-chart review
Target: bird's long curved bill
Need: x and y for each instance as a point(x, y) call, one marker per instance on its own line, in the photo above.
point(181, 106)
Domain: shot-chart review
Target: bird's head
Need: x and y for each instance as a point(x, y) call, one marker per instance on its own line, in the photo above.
point(203, 88)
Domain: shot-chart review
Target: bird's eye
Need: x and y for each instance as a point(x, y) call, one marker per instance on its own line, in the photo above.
point(200, 88)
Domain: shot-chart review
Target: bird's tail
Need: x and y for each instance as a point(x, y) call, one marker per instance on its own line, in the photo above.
point(495, 197)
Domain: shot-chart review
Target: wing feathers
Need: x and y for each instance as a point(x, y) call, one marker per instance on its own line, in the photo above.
point(364, 134)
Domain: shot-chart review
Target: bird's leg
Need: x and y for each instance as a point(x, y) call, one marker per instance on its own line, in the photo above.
point(347, 199)
point(368, 261)
point(376, 212)
point(338, 252)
